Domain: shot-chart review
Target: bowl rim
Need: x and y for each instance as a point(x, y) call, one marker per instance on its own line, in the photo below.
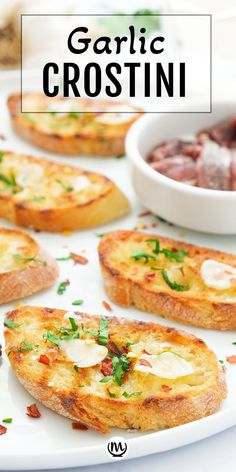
point(135, 156)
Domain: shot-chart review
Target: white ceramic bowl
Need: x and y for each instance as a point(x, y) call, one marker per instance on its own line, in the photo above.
point(211, 211)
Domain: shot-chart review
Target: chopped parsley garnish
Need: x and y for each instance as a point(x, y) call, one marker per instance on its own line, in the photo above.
point(52, 337)
point(4, 179)
point(37, 198)
point(26, 346)
point(7, 420)
point(143, 255)
point(78, 302)
point(74, 114)
point(129, 344)
point(73, 323)
point(177, 255)
point(28, 117)
point(88, 331)
point(173, 285)
point(69, 333)
point(221, 361)
point(103, 332)
point(62, 287)
point(76, 368)
point(100, 235)
point(120, 156)
point(29, 259)
point(133, 394)
point(66, 258)
point(156, 249)
point(10, 182)
point(67, 188)
point(11, 324)
point(234, 343)
point(66, 334)
point(1, 155)
point(106, 379)
point(121, 366)
point(112, 395)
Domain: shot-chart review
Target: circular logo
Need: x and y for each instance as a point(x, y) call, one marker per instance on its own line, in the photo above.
point(117, 447)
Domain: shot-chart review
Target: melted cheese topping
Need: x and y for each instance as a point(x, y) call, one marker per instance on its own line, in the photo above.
point(47, 186)
point(80, 183)
point(84, 353)
point(63, 106)
point(167, 365)
point(67, 118)
point(10, 245)
point(218, 275)
point(73, 106)
point(116, 118)
point(29, 175)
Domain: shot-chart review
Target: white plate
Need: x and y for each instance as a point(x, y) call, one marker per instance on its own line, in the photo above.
point(49, 442)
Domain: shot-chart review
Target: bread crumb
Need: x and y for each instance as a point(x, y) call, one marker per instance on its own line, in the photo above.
point(67, 233)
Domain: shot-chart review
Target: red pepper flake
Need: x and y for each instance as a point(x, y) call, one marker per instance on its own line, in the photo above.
point(107, 306)
point(107, 367)
point(150, 276)
point(231, 359)
point(80, 426)
point(32, 411)
point(3, 429)
point(113, 348)
point(146, 352)
point(145, 362)
point(44, 359)
point(166, 388)
point(79, 259)
point(145, 213)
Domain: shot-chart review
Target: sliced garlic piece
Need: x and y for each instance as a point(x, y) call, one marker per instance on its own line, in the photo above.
point(218, 275)
point(56, 190)
point(63, 106)
point(116, 118)
point(82, 353)
point(80, 183)
point(167, 365)
point(29, 175)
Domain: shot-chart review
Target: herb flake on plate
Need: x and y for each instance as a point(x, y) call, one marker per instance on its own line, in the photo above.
point(62, 287)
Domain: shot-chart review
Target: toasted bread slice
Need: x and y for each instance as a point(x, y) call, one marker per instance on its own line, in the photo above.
point(98, 134)
point(172, 279)
point(102, 379)
point(48, 196)
point(25, 267)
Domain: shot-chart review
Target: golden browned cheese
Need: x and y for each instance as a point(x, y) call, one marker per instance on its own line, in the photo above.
point(140, 282)
point(96, 134)
point(47, 196)
point(142, 400)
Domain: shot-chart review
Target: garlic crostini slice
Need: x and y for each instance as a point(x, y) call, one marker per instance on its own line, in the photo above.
point(113, 372)
point(73, 126)
point(184, 282)
point(48, 196)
